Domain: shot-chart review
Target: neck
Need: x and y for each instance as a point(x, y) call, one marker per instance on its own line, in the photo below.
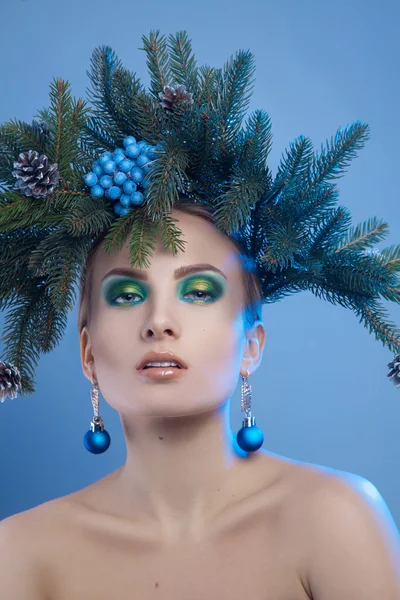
point(180, 471)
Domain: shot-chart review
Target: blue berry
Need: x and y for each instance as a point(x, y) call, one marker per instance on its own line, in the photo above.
point(137, 174)
point(115, 192)
point(119, 151)
point(125, 200)
point(97, 169)
point(145, 184)
point(142, 160)
point(109, 166)
point(129, 186)
point(125, 165)
point(90, 179)
point(118, 158)
point(137, 198)
point(106, 181)
point(132, 151)
point(106, 156)
point(97, 191)
point(121, 210)
point(120, 178)
point(129, 140)
point(151, 152)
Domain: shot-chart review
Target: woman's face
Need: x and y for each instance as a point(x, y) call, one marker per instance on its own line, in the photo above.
point(197, 317)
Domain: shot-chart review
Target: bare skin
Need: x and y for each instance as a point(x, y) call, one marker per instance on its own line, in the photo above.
point(256, 545)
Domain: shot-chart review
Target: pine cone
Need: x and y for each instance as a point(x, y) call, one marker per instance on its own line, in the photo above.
point(394, 373)
point(172, 96)
point(36, 177)
point(10, 381)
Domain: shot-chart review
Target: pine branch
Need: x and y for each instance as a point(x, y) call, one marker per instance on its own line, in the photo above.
point(171, 236)
point(233, 98)
point(107, 76)
point(88, 218)
point(330, 229)
point(364, 235)
point(182, 62)
point(148, 116)
point(57, 257)
point(374, 317)
point(207, 88)
point(142, 240)
point(233, 206)
point(166, 176)
point(157, 61)
point(332, 161)
point(256, 141)
point(297, 163)
point(67, 119)
point(95, 138)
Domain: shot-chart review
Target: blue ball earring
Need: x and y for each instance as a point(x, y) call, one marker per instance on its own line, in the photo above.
point(250, 437)
point(97, 440)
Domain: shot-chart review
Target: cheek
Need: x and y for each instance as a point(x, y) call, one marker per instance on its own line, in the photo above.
point(115, 340)
point(220, 346)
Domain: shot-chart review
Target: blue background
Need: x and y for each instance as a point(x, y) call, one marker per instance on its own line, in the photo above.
point(321, 394)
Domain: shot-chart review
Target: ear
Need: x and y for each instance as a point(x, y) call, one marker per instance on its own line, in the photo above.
point(87, 358)
point(255, 341)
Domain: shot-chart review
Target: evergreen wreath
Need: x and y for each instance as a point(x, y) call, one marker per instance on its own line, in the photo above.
point(122, 163)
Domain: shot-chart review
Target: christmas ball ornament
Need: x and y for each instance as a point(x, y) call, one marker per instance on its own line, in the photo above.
point(97, 440)
point(250, 437)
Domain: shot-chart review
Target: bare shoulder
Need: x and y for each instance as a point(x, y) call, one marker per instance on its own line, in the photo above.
point(351, 544)
point(30, 532)
point(22, 556)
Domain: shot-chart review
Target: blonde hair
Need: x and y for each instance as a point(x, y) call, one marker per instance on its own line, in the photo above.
point(252, 311)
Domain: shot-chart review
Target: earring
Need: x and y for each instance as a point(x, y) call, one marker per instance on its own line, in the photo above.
point(97, 439)
point(249, 437)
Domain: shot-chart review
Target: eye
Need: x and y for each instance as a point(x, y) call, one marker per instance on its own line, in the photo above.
point(115, 300)
point(199, 292)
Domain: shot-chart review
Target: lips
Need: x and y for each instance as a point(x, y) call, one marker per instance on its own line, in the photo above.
point(165, 356)
point(153, 367)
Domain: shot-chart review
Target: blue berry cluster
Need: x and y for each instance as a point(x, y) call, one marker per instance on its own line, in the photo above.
point(116, 175)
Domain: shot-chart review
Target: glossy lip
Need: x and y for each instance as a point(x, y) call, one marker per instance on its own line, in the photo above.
point(162, 373)
point(161, 357)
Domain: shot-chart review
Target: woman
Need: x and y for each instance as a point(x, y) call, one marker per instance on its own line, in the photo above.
point(195, 512)
point(190, 514)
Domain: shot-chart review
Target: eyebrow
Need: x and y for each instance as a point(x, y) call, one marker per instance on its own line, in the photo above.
point(183, 271)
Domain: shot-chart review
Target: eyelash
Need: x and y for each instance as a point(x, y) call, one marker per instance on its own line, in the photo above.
point(133, 294)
